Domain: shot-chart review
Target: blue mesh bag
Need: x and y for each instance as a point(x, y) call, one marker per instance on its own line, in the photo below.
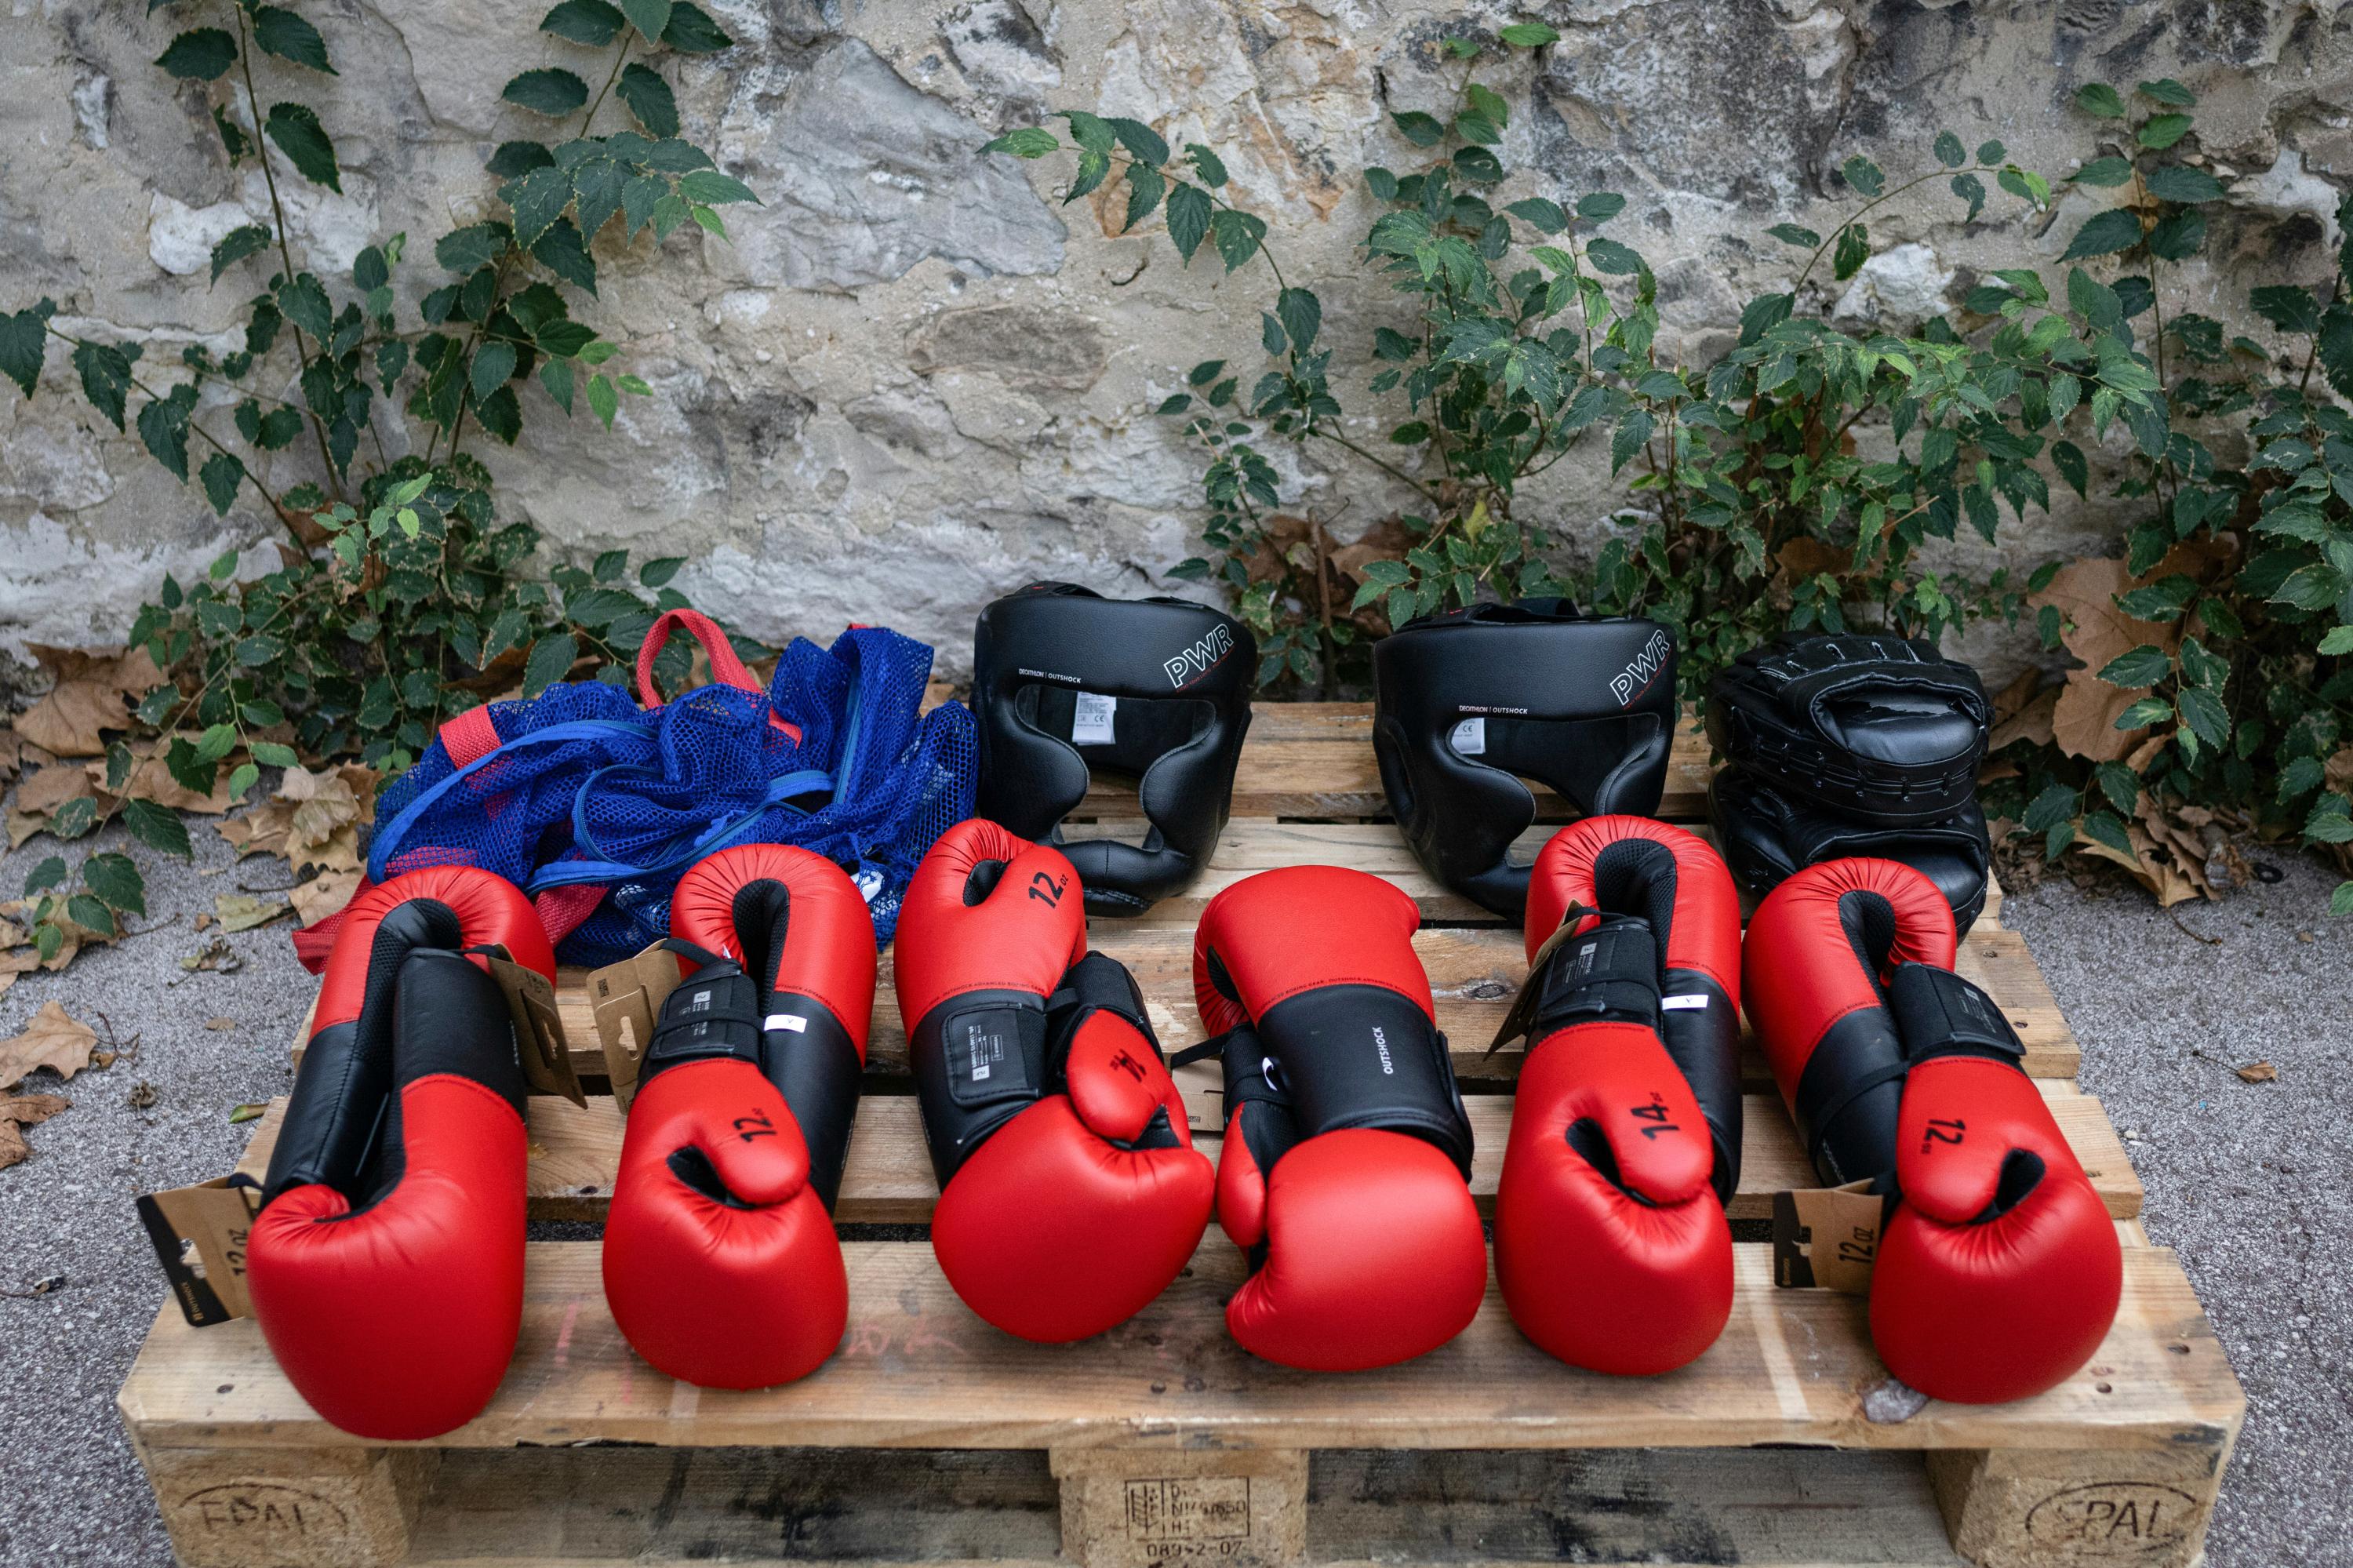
point(596, 805)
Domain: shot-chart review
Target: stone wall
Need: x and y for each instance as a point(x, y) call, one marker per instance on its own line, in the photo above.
point(912, 380)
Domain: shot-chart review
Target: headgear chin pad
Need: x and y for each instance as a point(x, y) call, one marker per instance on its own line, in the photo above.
point(1881, 730)
point(1066, 683)
point(1467, 703)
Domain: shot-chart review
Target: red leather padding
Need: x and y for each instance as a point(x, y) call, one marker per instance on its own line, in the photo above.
point(1799, 970)
point(721, 1296)
point(828, 953)
point(1704, 934)
point(1030, 930)
point(397, 1322)
point(1982, 1312)
point(491, 910)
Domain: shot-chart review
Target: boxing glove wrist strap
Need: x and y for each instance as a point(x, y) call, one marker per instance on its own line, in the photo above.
point(1096, 983)
point(1938, 1013)
point(1353, 1056)
point(1609, 974)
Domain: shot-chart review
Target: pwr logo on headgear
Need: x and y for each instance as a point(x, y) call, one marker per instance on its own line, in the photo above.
point(1635, 679)
point(1201, 657)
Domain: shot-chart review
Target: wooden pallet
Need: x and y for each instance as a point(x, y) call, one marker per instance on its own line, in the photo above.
point(930, 1437)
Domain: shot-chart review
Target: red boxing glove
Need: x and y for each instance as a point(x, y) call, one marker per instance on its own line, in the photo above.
point(1998, 1272)
point(721, 1262)
point(1344, 1173)
point(386, 1264)
point(1611, 1240)
point(1070, 1193)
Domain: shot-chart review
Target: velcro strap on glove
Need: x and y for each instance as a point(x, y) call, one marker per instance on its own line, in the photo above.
point(715, 1012)
point(1610, 972)
point(1096, 983)
point(1938, 1013)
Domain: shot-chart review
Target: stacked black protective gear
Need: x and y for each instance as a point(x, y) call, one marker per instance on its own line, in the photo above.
point(1851, 744)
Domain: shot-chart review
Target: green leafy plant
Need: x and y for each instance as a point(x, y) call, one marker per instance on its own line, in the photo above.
point(2225, 655)
point(398, 598)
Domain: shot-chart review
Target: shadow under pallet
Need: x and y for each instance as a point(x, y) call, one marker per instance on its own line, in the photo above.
point(930, 1437)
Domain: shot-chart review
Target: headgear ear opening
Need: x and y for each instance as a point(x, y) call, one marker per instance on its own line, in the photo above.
point(1468, 703)
point(1068, 686)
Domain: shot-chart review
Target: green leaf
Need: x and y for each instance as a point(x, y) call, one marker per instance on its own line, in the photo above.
point(157, 828)
point(2179, 182)
point(1970, 189)
point(2068, 459)
point(1092, 167)
point(281, 32)
point(2329, 822)
point(2120, 784)
point(163, 429)
point(203, 54)
point(243, 777)
point(105, 378)
point(1546, 216)
point(1143, 143)
point(1609, 256)
point(1237, 235)
point(2110, 831)
point(650, 17)
point(50, 872)
point(2339, 640)
point(25, 344)
point(271, 754)
point(514, 158)
point(2287, 307)
point(2340, 902)
point(492, 364)
point(1763, 313)
point(1852, 249)
point(1528, 34)
point(2163, 131)
point(1421, 130)
point(90, 913)
point(1949, 151)
point(590, 21)
point(1145, 187)
point(656, 573)
point(693, 31)
point(2177, 235)
point(1991, 153)
point(555, 374)
point(220, 476)
point(1189, 210)
point(1207, 163)
point(1201, 374)
point(2167, 91)
point(237, 245)
point(296, 129)
point(563, 252)
point(1028, 142)
point(650, 99)
point(2143, 666)
point(549, 90)
point(551, 658)
point(2144, 713)
point(2055, 805)
point(2334, 348)
point(2104, 172)
point(2100, 100)
point(1601, 206)
point(1302, 314)
point(1792, 234)
point(604, 399)
point(2104, 234)
point(468, 251)
point(1633, 431)
point(1864, 176)
point(536, 200)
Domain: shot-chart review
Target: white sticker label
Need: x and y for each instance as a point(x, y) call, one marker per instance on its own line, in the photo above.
point(1091, 719)
point(1470, 737)
point(793, 1022)
point(1683, 1003)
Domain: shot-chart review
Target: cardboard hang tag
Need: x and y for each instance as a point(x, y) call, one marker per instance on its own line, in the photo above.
point(627, 1000)
point(200, 1234)
point(539, 1030)
point(1203, 1085)
point(1522, 1017)
point(1826, 1238)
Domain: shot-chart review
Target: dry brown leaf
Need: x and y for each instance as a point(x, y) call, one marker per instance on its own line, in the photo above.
point(217, 1024)
point(20, 1111)
point(2163, 881)
point(216, 956)
point(12, 754)
point(243, 912)
point(53, 1040)
point(129, 670)
point(2094, 631)
point(324, 895)
point(150, 780)
point(2020, 691)
point(2035, 720)
point(2257, 1071)
point(68, 720)
point(2337, 772)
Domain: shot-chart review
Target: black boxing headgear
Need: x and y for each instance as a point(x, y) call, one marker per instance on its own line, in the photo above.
point(1881, 730)
point(1066, 682)
point(1467, 703)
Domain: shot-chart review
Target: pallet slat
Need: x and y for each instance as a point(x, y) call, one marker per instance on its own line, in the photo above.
point(576, 1153)
point(917, 1369)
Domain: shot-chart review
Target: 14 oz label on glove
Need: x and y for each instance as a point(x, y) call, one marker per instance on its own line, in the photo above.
point(1826, 1238)
point(1092, 717)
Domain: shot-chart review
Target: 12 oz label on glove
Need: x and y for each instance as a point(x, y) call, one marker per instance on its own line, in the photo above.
point(1826, 1238)
point(1092, 717)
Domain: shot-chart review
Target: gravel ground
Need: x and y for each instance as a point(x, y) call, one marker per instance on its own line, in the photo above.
point(2253, 1183)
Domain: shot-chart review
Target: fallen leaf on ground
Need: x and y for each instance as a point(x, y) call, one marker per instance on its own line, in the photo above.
point(2161, 878)
point(11, 747)
point(40, 797)
point(19, 1111)
point(243, 912)
point(53, 1040)
point(217, 1024)
point(141, 1095)
point(69, 720)
point(127, 670)
point(2258, 1072)
point(324, 894)
point(216, 956)
point(2035, 721)
point(247, 1113)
